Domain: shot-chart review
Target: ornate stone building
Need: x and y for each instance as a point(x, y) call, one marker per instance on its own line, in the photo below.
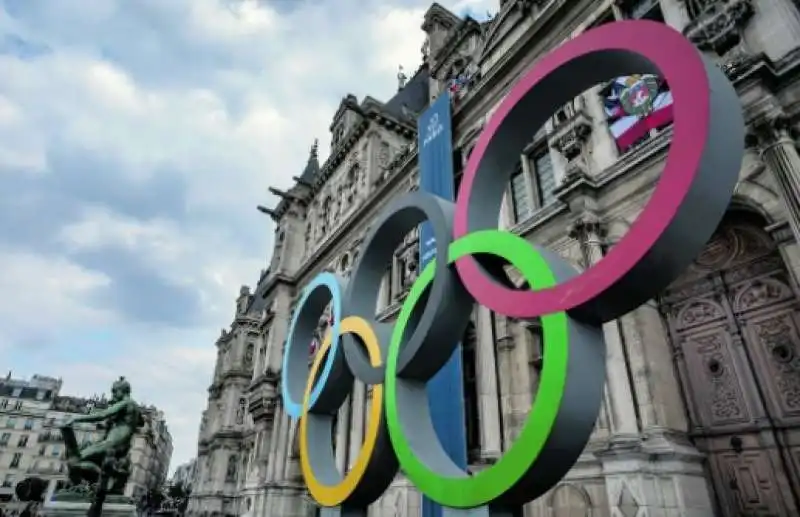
point(701, 414)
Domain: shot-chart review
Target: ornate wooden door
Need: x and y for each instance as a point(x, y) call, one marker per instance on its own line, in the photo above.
point(734, 321)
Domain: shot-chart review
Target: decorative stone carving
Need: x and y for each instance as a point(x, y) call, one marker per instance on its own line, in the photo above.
point(240, 410)
point(737, 62)
point(230, 472)
point(724, 390)
point(590, 234)
point(699, 312)
point(716, 24)
point(778, 336)
point(248, 355)
point(761, 292)
point(384, 154)
point(572, 128)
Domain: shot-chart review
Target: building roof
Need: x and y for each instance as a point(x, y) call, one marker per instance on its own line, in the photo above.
point(413, 97)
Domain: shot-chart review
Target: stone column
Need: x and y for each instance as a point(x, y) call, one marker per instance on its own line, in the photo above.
point(488, 396)
point(780, 154)
point(357, 421)
point(282, 456)
point(264, 450)
point(341, 435)
point(622, 411)
point(515, 384)
point(274, 451)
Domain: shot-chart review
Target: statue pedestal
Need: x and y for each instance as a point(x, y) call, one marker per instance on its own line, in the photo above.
point(114, 506)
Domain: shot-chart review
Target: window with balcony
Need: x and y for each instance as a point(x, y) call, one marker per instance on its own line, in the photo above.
point(23, 441)
point(15, 460)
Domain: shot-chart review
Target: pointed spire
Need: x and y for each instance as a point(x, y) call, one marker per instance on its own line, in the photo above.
point(312, 167)
point(313, 155)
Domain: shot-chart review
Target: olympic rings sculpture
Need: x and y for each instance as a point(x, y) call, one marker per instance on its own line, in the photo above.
point(689, 200)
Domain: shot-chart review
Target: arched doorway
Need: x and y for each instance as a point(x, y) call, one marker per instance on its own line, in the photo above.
point(734, 324)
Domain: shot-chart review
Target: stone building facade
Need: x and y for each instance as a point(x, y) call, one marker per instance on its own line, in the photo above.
point(701, 414)
point(184, 475)
point(31, 413)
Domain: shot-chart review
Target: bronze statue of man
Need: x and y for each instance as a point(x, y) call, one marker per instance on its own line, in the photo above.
point(107, 459)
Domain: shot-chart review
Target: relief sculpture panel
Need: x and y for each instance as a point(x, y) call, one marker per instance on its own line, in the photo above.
point(751, 483)
point(714, 379)
point(775, 341)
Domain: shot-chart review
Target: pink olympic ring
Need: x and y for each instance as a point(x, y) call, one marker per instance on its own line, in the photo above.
point(597, 292)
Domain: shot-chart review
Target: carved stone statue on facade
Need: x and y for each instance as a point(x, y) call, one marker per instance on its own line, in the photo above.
point(100, 469)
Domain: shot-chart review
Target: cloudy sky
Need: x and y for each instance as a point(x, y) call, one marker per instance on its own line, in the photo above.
point(136, 139)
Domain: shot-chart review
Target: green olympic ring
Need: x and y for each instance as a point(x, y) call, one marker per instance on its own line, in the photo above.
point(460, 490)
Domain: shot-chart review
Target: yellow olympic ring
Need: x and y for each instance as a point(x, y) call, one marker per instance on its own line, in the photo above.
point(334, 495)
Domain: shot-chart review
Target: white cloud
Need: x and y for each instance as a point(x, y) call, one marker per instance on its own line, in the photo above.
point(45, 295)
point(215, 100)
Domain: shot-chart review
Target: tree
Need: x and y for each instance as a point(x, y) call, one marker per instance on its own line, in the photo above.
point(153, 499)
point(178, 495)
point(177, 491)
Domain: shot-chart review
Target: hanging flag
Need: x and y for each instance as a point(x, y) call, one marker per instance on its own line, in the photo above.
point(635, 105)
point(457, 83)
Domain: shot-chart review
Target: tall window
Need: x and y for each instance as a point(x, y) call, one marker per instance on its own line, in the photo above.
point(520, 200)
point(642, 10)
point(15, 460)
point(545, 177)
point(469, 366)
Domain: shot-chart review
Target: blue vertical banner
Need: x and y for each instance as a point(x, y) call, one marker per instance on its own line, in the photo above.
point(436, 176)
